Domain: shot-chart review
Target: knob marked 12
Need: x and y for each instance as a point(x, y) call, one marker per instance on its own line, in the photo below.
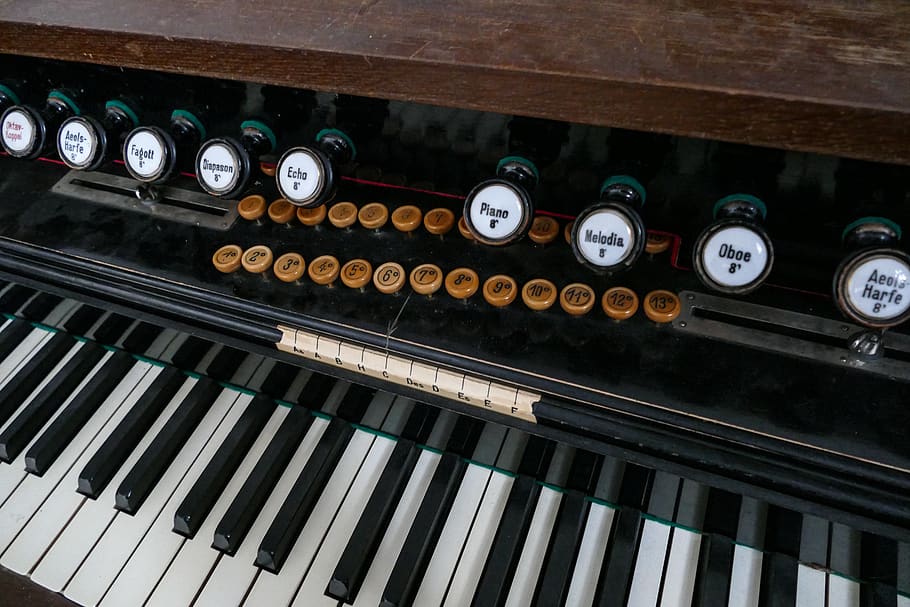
point(609, 236)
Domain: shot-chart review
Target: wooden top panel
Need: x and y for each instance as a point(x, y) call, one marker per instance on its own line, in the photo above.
point(821, 76)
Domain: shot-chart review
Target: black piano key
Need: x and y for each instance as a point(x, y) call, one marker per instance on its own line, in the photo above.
point(205, 492)
point(536, 458)
point(783, 529)
point(141, 338)
point(108, 459)
point(14, 298)
point(355, 402)
point(12, 336)
point(878, 570)
point(45, 450)
point(83, 319)
point(420, 423)
point(33, 373)
point(111, 329)
point(715, 567)
point(141, 479)
point(722, 513)
point(190, 353)
point(225, 363)
point(296, 509)
point(19, 433)
point(424, 533)
point(502, 559)
point(39, 306)
point(465, 435)
point(636, 486)
point(616, 573)
point(355, 562)
point(778, 580)
point(279, 380)
point(562, 552)
point(876, 594)
point(242, 512)
point(316, 391)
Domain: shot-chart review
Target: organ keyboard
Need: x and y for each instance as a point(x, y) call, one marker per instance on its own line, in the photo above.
point(306, 307)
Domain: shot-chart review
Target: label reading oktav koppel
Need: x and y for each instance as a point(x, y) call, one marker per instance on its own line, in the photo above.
point(144, 153)
point(218, 167)
point(735, 256)
point(605, 238)
point(19, 132)
point(76, 143)
point(300, 176)
point(877, 288)
point(497, 212)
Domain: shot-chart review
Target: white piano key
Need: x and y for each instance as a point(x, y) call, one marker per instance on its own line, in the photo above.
point(160, 545)
point(59, 564)
point(112, 551)
point(60, 505)
point(233, 576)
point(374, 583)
point(272, 589)
point(591, 554)
point(649, 564)
point(454, 533)
point(187, 572)
point(745, 579)
point(682, 565)
point(810, 586)
point(842, 592)
point(312, 591)
point(903, 600)
point(524, 582)
point(477, 547)
point(22, 353)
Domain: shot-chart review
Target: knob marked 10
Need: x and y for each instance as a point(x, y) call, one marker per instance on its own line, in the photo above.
point(224, 164)
point(85, 143)
point(500, 211)
point(734, 254)
point(305, 175)
point(29, 133)
point(872, 284)
point(609, 236)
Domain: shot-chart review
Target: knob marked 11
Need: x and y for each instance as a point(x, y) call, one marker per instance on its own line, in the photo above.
point(609, 236)
point(305, 175)
point(734, 254)
point(499, 211)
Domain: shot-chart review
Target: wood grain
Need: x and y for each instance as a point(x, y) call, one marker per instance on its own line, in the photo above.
point(20, 591)
point(830, 77)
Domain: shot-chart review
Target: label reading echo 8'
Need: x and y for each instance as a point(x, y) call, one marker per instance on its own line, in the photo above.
point(735, 256)
point(76, 143)
point(496, 212)
point(219, 167)
point(300, 176)
point(145, 153)
point(18, 131)
point(877, 288)
point(605, 238)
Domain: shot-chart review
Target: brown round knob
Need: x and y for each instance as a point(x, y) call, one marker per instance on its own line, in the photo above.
point(252, 207)
point(268, 169)
point(577, 298)
point(281, 211)
point(426, 279)
point(656, 243)
point(289, 267)
point(407, 218)
point(257, 259)
point(343, 214)
point(500, 290)
point(539, 294)
point(463, 228)
point(461, 283)
point(544, 230)
point(619, 303)
point(567, 232)
point(356, 273)
point(324, 270)
point(662, 306)
point(373, 216)
point(389, 278)
point(439, 221)
point(311, 216)
point(227, 258)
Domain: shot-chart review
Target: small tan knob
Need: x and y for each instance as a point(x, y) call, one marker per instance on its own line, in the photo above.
point(311, 216)
point(426, 279)
point(461, 283)
point(577, 298)
point(463, 228)
point(619, 303)
point(500, 290)
point(281, 211)
point(343, 214)
point(324, 270)
point(439, 221)
point(356, 273)
point(539, 294)
point(407, 218)
point(227, 258)
point(252, 207)
point(257, 259)
point(544, 230)
point(389, 278)
point(289, 267)
point(662, 306)
point(656, 243)
point(373, 216)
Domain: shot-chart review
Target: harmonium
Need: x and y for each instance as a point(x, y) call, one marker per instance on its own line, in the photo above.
point(454, 304)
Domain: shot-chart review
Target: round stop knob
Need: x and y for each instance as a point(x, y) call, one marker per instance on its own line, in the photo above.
point(303, 174)
point(500, 211)
point(734, 254)
point(222, 167)
point(149, 154)
point(23, 132)
point(609, 236)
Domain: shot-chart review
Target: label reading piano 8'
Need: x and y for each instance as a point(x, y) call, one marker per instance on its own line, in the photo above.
point(735, 256)
point(76, 143)
point(144, 153)
point(19, 131)
point(497, 212)
point(605, 238)
point(300, 176)
point(877, 288)
point(218, 167)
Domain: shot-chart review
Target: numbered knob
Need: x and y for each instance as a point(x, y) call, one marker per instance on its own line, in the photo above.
point(29, 133)
point(224, 164)
point(306, 174)
point(609, 236)
point(500, 211)
point(84, 143)
point(871, 284)
point(734, 254)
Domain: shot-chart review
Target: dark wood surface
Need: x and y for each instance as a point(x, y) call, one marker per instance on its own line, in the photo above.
point(19, 591)
point(822, 76)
